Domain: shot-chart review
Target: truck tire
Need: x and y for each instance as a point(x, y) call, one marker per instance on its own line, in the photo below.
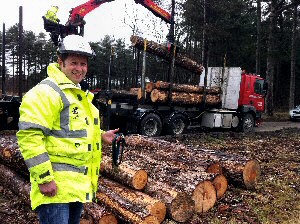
point(176, 124)
point(151, 125)
point(247, 123)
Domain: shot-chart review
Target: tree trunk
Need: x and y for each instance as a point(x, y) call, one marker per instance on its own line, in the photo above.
point(180, 206)
point(143, 97)
point(15, 183)
point(11, 156)
point(163, 163)
point(128, 175)
point(163, 52)
point(213, 100)
point(293, 60)
point(182, 98)
point(133, 206)
point(258, 38)
point(271, 61)
point(161, 85)
point(99, 214)
point(186, 168)
point(239, 170)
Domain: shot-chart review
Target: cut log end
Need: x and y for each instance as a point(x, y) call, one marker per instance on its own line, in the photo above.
point(159, 211)
point(251, 173)
point(204, 196)
point(150, 220)
point(215, 168)
point(7, 153)
point(86, 221)
point(220, 183)
point(182, 207)
point(140, 180)
point(108, 219)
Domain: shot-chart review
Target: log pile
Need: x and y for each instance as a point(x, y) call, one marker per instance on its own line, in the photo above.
point(182, 94)
point(239, 170)
point(157, 179)
point(163, 52)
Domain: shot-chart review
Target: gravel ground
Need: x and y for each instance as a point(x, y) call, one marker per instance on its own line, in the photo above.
point(274, 126)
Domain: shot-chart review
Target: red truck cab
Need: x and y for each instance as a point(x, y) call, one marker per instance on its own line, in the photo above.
point(252, 91)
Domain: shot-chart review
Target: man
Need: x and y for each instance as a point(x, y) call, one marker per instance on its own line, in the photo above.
point(60, 137)
point(51, 14)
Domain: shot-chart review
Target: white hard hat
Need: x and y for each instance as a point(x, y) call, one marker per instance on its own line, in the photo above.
point(75, 44)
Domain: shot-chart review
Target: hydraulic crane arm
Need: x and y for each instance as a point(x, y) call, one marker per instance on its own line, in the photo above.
point(75, 23)
point(156, 10)
point(78, 13)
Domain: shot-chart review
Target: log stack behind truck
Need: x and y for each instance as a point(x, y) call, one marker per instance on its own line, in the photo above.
point(226, 98)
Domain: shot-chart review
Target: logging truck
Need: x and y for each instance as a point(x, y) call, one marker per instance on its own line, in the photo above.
point(225, 98)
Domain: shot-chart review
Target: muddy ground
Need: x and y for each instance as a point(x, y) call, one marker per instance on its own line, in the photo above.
point(276, 198)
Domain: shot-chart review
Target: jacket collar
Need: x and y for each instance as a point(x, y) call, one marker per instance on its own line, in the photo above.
point(54, 72)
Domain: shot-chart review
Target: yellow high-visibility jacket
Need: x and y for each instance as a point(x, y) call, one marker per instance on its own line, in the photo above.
point(60, 139)
point(51, 14)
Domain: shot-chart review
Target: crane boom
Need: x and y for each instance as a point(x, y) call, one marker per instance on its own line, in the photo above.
point(78, 13)
point(156, 10)
point(75, 23)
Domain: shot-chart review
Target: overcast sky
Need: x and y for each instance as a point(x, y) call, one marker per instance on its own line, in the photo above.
point(107, 19)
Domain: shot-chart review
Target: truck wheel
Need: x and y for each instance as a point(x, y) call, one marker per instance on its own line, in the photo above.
point(151, 125)
point(177, 124)
point(247, 124)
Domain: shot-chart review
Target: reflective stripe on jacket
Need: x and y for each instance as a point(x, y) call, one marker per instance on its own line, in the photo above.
point(60, 139)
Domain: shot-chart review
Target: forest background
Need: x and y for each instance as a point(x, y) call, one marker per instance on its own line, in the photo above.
point(261, 37)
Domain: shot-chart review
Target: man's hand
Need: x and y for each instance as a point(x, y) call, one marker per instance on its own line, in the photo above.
point(108, 136)
point(48, 189)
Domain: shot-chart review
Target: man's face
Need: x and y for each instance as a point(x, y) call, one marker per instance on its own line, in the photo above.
point(75, 67)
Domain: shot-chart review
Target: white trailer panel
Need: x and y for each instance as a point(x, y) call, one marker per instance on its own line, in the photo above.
point(229, 79)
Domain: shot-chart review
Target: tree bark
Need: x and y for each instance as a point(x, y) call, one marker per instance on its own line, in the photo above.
point(99, 214)
point(239, 170)
point(180, 206)
point(182, 98)
point(163, 163)
point(293, 59)
point(11, 156)
point(15, 183)
point(133, 206)
point(258, 38)
point(131, 176)
point(161, 85)
point(163, 52)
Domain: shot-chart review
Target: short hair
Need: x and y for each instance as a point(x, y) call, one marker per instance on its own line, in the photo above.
point(62, 56)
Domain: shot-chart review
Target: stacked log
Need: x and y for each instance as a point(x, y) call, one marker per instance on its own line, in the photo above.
point(11, 156)
point(16, 183)
point(163, 52)
point(161, 165)
point(135, 206)
point(190, 165)
point(239, 170)
point(161, 85)
point(128, 96)
point(98, 214)
point(156, 179)
point(131, 176)
point(180, 206)
point(182, 94)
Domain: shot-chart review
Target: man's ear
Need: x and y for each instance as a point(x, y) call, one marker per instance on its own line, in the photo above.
point(59, 61)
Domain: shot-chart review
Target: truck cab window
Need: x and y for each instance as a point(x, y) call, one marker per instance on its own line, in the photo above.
point(258, 86)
